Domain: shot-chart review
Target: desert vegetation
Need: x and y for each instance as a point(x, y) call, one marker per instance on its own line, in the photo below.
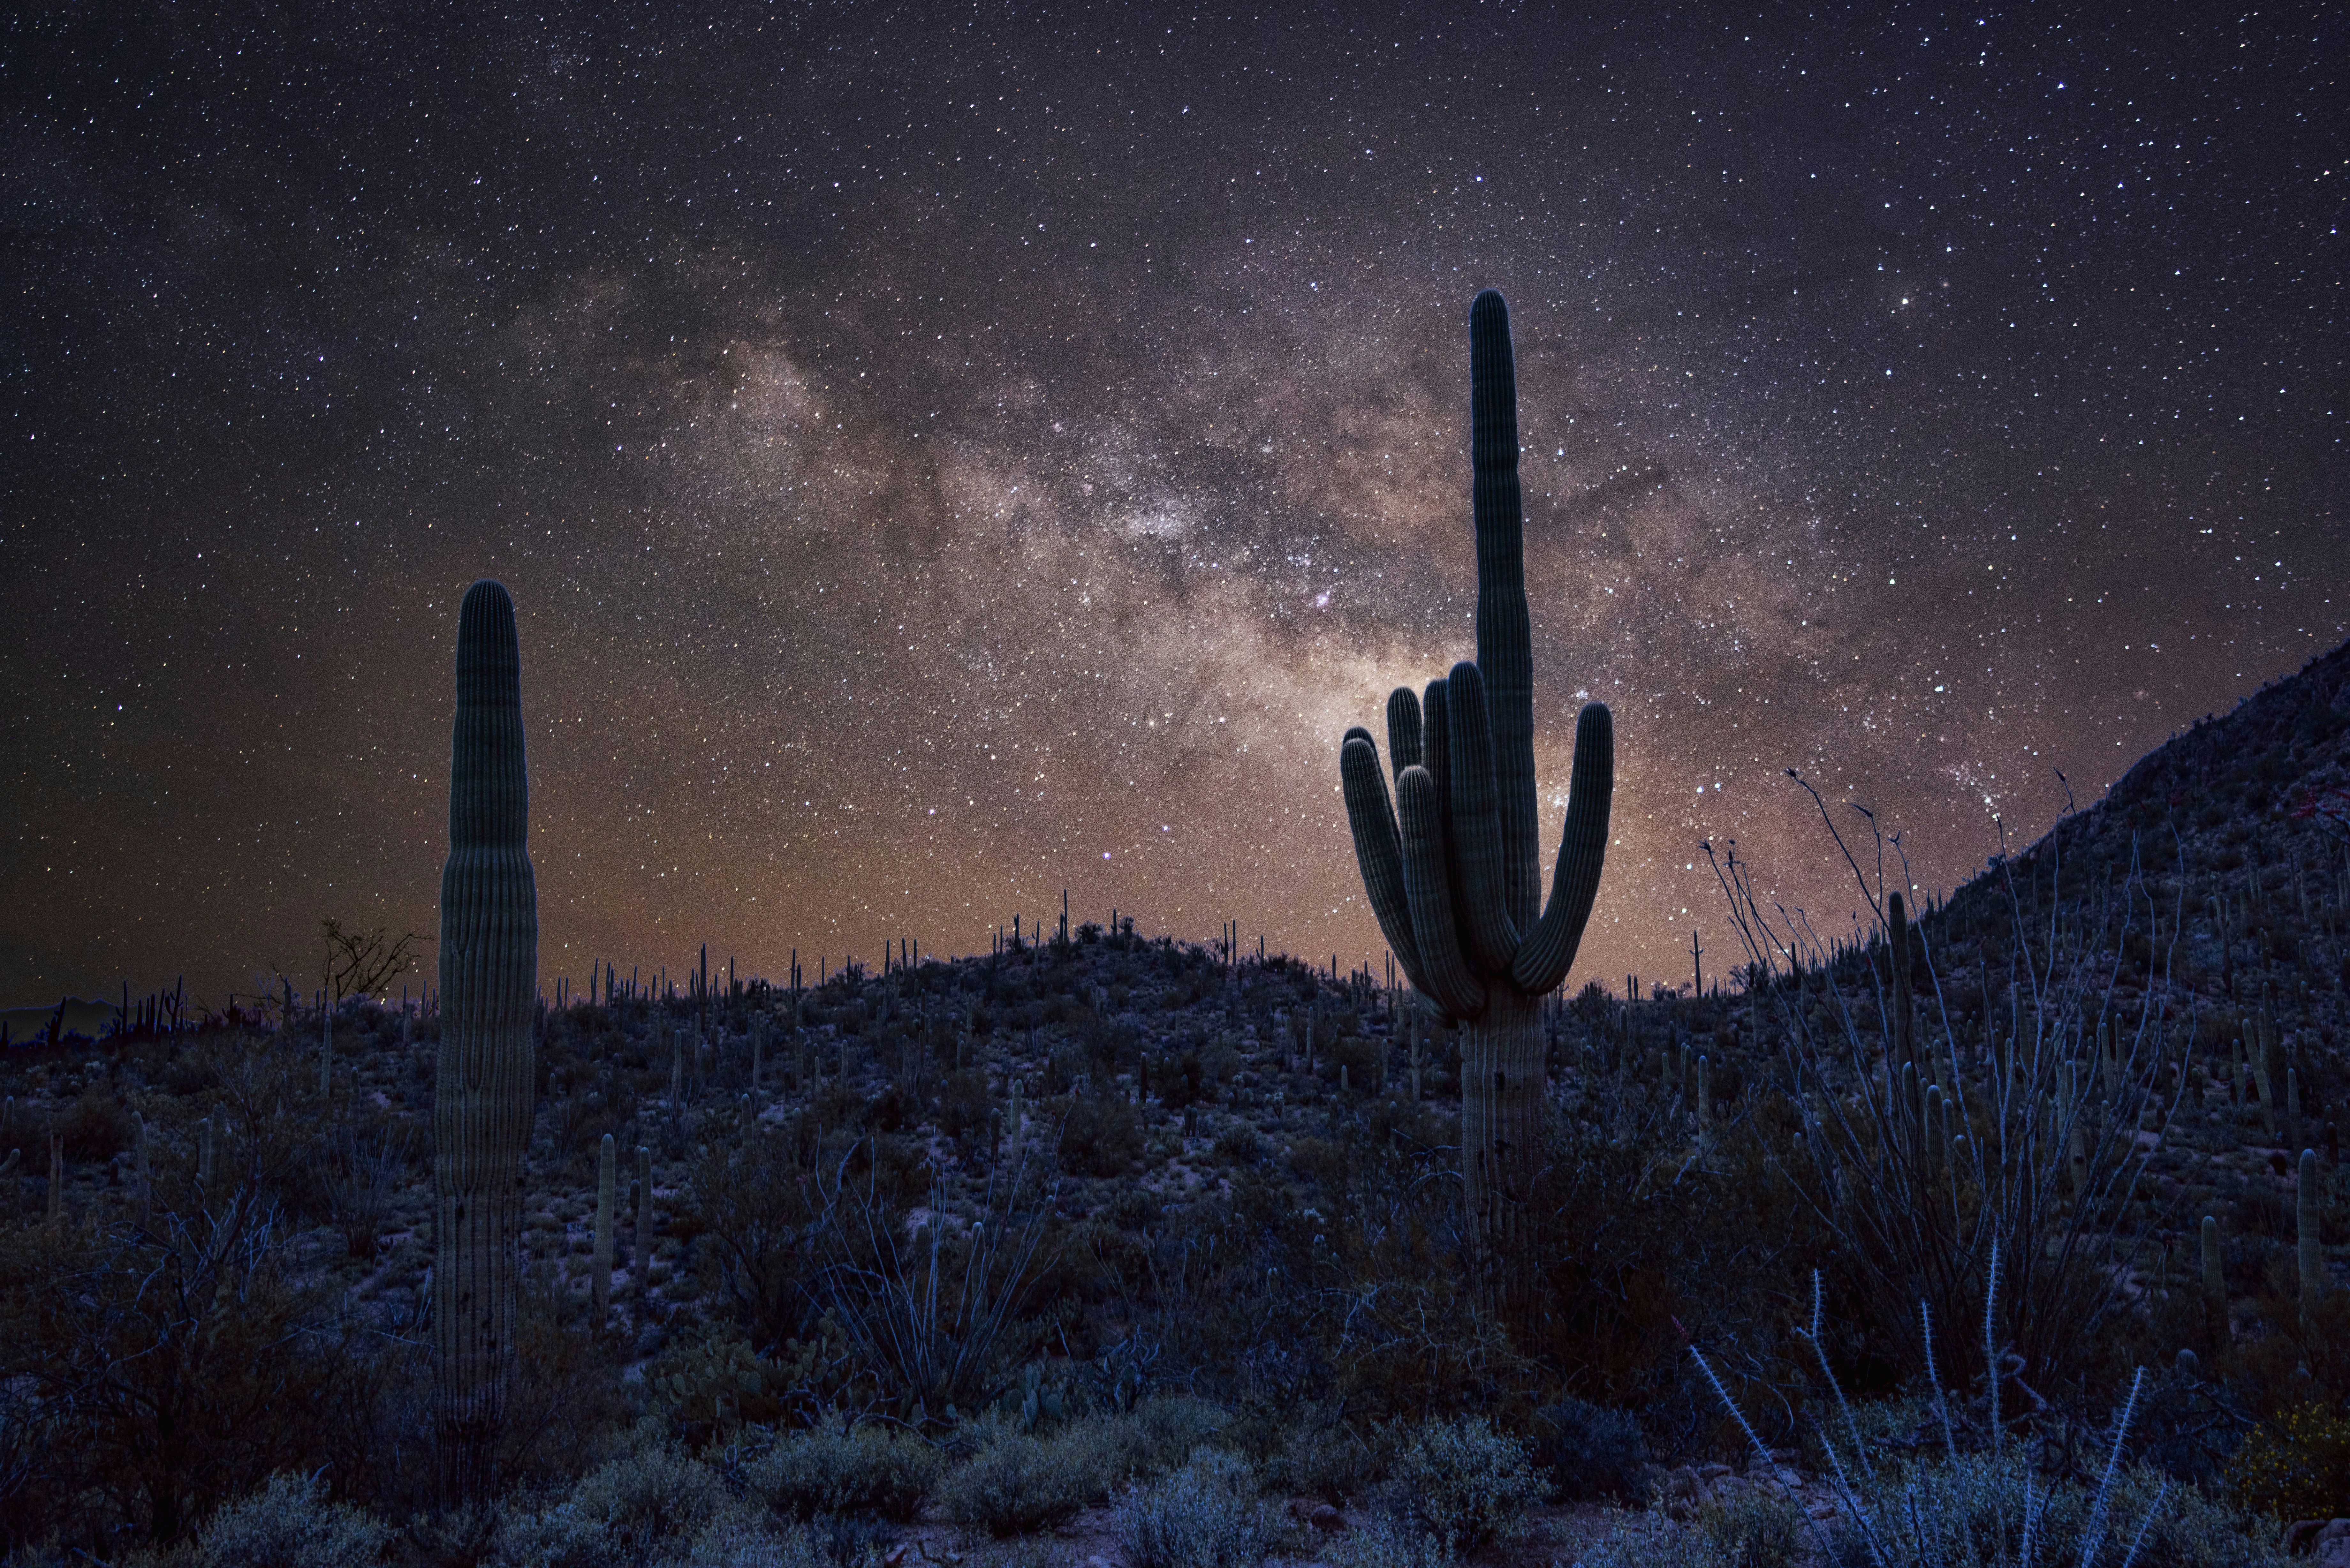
point(2002, 1227)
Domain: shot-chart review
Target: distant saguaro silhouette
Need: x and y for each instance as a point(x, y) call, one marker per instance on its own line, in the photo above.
point(1458, 892)
point(482, 1094)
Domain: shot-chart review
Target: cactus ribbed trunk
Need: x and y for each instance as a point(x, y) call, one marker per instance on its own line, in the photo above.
point(1501, 1115)
point(482, 1097)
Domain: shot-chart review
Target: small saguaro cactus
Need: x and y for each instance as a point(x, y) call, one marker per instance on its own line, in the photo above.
point(2314, 1279)
point(606, 1178)
point(641, 1258)
point(481, 1093)
point(1903, 1043)
point(2215, 1286)
point(1457, 884)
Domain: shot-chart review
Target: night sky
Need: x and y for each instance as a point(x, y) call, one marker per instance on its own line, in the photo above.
point(944, 455)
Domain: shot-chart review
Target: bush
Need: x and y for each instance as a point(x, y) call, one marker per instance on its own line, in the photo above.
point(2296, 1467)
point(1322, 1457)
point(630, 1512)
point(1019, 1483)
point(737, 1541)
point(1753, 1529)
point(1101, 1136)
point(1237, 1144)
point(1589, 1450)
point(1966, 1512)
point(1381, 1542)
point(1205, 1515)
point(1014, 1485)
point(867, 1470)
point(1464, 1483)
point(1173, 1425)
point(289, 1523)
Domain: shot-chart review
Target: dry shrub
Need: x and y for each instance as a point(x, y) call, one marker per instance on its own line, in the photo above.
point(1204, 1515)
point(177, 1365)
point(2296, 1466)
point(859, 1470)
point(1017, 1483)
point(289, 1523)
point(1464, 1483)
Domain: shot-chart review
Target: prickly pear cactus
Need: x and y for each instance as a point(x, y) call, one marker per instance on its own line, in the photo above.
point(714, 1388)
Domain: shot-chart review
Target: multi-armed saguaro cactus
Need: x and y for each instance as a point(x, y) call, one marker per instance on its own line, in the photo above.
point(1458, 889)
point(481, 1097)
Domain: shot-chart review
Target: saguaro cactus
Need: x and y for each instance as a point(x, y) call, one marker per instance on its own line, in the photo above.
point(1457, 888)
point(640, 1260)
point(482, 1097)
point(1903, 1043)
point(2215, 1286)
point(2314, 1279)
point(606, 1178)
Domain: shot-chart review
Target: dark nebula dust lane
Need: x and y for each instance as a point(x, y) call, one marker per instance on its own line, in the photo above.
point(941, 456)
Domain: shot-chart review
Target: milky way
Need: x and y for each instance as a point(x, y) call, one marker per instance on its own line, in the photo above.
point(941, 457)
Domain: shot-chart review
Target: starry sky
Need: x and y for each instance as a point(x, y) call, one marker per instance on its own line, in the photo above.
point(942, 455)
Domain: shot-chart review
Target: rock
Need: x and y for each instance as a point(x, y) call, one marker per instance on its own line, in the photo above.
point(1682, 1492)
point(2333, 1549)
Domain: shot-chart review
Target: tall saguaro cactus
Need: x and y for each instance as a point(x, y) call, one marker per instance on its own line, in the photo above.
point(1457, 885)
point(482, 1096)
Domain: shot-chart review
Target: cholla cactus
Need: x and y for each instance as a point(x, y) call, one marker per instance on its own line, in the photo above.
point(482, 1097)
point(1457, 885)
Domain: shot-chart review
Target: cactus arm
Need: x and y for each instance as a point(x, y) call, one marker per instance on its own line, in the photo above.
point(1450, 983)
point(1436, 756)
point(1436, 747)
point(1542, 961)
point(1504, 630)
point(1403, 729)
point(1491, 940)
point(1377, 849)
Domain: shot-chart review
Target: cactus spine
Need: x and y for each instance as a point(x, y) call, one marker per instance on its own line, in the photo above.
point(482, 1096)
point(1457, 884)
point(606, 1176)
